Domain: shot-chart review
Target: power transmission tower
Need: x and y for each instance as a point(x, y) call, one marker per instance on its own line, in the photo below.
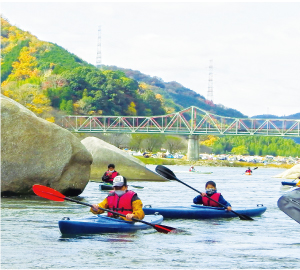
point(98, 59)
point(210, 82)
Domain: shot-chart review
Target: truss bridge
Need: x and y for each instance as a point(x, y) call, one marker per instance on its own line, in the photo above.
point(191, 121)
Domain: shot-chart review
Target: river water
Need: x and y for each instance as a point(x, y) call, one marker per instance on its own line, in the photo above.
point(30, 237)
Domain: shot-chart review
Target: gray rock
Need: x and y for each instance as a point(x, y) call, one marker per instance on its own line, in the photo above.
point(292, 173)
point(104, 153)
point(35, 151)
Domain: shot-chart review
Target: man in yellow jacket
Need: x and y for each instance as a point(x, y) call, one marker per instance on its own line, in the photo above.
point(121, 200)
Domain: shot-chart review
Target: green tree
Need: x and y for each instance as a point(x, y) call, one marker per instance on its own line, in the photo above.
point(136, 141)
point(69, 109)
point(174, 144)
point(153, 141)
point(239, 150)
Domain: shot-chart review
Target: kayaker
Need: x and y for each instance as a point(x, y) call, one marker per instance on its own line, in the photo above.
point(211, 191)
point(249, 170)
point(192, 169)
point(110, 174)
point(121, 200)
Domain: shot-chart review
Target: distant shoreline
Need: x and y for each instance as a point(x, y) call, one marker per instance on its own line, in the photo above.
point(209, 163)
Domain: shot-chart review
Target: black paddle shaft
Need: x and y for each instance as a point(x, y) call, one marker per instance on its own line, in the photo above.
point(107, 210)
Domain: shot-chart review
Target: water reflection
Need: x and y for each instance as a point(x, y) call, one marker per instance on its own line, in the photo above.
point(77, 238)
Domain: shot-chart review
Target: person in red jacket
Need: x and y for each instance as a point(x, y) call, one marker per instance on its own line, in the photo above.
point(249, 170)
point(211, 191)
point(110, 174)
point(121, 200)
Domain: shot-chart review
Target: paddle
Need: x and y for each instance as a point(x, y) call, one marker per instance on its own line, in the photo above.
point(289, 203)
point(167, 173)
point(54, 195)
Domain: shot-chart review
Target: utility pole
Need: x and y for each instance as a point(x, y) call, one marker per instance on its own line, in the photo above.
point(210, 82)
point(98, 59)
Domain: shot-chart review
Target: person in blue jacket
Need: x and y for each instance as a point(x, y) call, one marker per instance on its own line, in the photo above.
point(211, 191)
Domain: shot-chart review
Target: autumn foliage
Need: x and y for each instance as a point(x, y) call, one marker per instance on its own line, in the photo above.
point(47, 79)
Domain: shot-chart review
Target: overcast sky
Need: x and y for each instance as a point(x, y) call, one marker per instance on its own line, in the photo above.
point(255, 47)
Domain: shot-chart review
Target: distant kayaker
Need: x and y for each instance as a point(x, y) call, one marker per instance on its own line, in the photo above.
point(121, 200)
point(249, 170)
point(211, 191)
point(192, 169)
point(110, 174)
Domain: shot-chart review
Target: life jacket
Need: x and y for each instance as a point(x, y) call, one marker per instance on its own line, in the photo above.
point(112, 176)
point(121, 204)
point(208, 202)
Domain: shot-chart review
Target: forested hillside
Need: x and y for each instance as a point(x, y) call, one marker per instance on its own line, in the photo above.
point(47, 79)
point(251, 145)
point(176, 96)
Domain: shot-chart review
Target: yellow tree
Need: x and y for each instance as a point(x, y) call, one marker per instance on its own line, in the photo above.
point(30, 96)
point(131, 109)
point(25, 67)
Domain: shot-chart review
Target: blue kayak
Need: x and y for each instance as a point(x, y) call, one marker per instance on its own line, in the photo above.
point(284, 183)
point(106, 186)
point(202, 212)
point(104, 224)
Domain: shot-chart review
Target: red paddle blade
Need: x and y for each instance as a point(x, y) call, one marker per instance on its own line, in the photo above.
point(48, 193)
point(164, 229)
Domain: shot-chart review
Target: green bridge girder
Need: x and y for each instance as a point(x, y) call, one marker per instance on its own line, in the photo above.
point(190, 121)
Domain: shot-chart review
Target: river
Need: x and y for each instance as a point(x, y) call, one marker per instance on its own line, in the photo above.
point(30, 237)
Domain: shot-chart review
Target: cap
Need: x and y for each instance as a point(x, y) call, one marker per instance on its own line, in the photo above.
point(119, 181)
point(211, 183)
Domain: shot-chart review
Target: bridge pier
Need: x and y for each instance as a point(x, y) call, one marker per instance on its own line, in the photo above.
point(193, 147)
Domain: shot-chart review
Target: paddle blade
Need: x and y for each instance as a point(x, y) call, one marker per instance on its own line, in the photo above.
point(165, 172)
point(164, 229)
point(290, 204)
point(243, 217)
point(48, 193)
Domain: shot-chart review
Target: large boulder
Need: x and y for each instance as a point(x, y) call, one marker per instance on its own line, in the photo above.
point(104, 153)
point(292, 173)
point(35, 151)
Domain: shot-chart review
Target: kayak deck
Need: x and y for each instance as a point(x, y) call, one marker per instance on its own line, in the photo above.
point(103, 224)
point(203, 212)
point(285, 183)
